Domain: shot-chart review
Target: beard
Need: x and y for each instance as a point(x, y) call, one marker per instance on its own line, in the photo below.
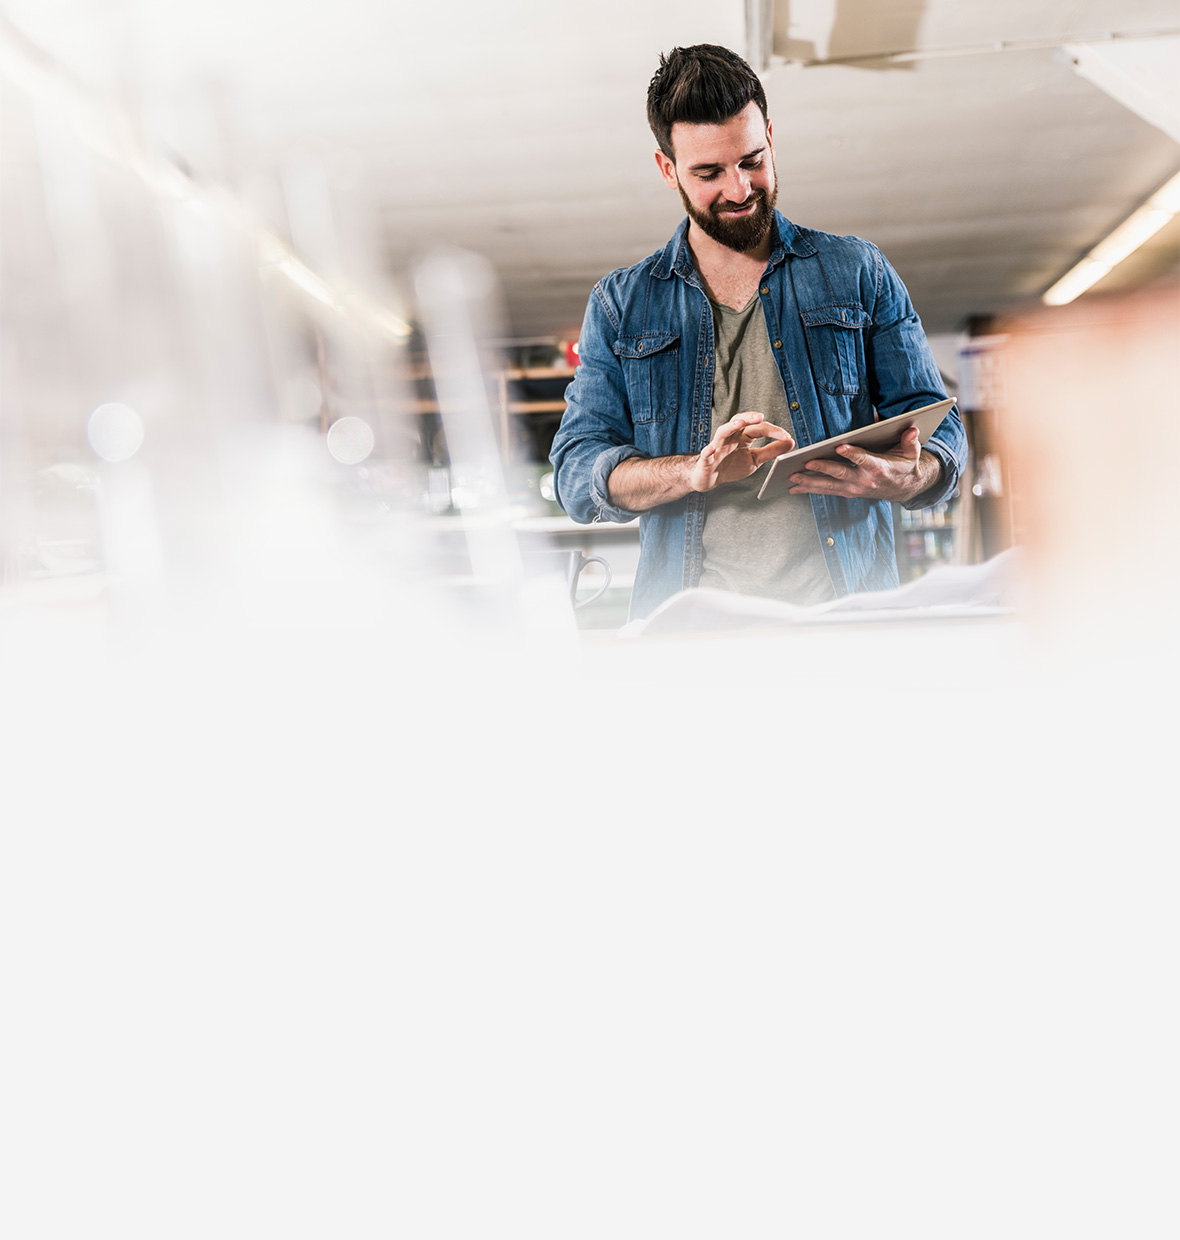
point(745, 233)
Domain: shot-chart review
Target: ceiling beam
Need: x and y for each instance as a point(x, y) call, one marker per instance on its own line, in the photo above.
point(1142, 75)
point(759, 34)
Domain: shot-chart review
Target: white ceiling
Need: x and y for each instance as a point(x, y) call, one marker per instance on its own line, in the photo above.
point(370, 130)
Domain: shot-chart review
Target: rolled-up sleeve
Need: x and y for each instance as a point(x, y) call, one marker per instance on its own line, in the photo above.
point(952, 468)
point(904, 376)
point(596, 431)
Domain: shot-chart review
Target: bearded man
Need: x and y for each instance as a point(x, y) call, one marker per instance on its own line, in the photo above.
point(744, 335)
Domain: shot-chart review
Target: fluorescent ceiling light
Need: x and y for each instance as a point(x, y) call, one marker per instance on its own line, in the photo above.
point(299, 273)
point(1137, 228)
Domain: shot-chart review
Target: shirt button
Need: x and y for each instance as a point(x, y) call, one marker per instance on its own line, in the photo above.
point(764, 289)
point(778, 344)
point(831, 542)
point(794, 404)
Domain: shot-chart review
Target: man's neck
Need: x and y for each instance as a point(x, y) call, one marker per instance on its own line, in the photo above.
point(717, 257)
point(725, 271)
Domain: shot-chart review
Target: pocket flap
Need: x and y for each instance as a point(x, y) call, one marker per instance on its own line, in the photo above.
point(643, 346)
point(836, 316)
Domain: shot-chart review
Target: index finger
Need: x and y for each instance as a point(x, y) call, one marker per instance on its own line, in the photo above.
point(742, 424)
point(757, 425)
point(751, 417)
point(767, 430)
point(736, 425)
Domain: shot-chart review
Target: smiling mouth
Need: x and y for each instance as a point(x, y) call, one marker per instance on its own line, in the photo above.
point(744, 209)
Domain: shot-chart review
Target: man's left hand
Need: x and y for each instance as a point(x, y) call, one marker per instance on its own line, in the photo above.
point(899, 474)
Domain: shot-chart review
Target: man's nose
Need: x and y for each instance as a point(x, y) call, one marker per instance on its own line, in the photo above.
point(737, 188)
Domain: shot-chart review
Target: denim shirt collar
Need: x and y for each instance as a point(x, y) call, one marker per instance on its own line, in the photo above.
point(678, 257)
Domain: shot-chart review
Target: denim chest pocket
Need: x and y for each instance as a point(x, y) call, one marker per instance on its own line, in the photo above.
point(651, 368)
point(835, 344)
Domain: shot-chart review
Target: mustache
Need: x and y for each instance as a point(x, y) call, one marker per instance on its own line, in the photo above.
point(755, 197)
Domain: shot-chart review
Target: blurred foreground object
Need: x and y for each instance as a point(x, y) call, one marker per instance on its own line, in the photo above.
point(457, 294)
point(1092, 420)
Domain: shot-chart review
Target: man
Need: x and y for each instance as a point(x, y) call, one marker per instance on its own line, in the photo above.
point(714, 355)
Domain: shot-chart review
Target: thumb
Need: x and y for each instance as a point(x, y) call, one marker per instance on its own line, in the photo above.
point(908, 446)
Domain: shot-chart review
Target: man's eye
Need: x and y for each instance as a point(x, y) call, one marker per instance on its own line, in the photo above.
point(752, 163)
point(708, 176)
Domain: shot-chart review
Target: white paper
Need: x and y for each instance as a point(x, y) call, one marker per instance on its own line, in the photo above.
point(945, 591)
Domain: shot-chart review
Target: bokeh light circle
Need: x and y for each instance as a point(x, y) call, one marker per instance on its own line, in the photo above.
point(350, 440)
point(114, 432)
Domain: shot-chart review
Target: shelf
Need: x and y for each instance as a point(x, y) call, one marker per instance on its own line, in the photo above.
point(539, 372)
point(527, 525)
point(563, 525)
point(421, 370)
point(514, 407)
point(536, 406)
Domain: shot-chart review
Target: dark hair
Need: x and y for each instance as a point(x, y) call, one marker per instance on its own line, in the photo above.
point(700, 85)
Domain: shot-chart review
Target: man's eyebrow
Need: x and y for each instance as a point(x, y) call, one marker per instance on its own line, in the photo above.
point(706, 167)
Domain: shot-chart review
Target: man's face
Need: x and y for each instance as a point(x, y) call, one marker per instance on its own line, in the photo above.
point(726, 177)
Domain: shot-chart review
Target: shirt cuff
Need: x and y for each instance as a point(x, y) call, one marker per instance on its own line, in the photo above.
point(947, 480)
point(600, 472)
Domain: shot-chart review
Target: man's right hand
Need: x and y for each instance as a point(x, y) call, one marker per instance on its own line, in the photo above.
point(731, 455)
point(642, 483)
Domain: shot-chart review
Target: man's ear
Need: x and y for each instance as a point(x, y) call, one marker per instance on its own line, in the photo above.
point(667, 170)
point(770, 136)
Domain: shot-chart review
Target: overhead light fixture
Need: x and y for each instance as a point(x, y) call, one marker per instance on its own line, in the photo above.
point(1138, 227)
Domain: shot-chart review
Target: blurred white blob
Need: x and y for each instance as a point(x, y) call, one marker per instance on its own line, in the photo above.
point(466, 499)
point(350, 440)
point(115, 432)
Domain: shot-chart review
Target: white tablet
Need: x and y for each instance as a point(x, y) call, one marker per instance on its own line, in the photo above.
point(876, 437)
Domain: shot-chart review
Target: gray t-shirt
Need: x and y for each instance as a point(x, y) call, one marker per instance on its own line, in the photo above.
point(767, 547)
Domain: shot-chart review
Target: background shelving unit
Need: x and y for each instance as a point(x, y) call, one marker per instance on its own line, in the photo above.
point(926, 537)
point(527, 396)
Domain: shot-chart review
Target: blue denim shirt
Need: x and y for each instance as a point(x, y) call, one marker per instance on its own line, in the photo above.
point(847, 342)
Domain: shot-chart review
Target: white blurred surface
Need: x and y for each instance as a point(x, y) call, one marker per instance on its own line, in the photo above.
point(318, 931)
